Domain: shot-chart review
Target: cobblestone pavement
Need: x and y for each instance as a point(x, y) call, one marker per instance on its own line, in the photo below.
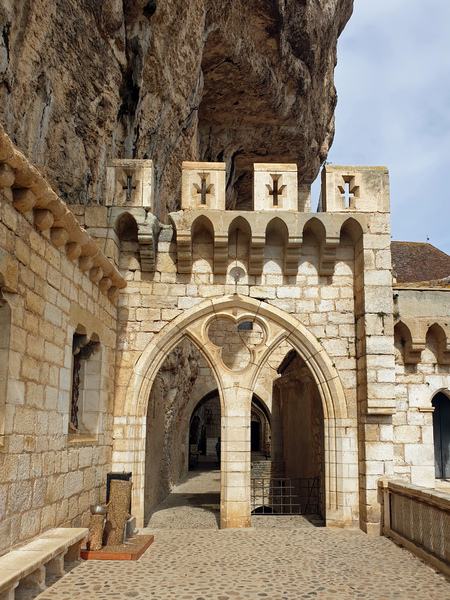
point(194, 504)
point(252, 564)
point(279, 558)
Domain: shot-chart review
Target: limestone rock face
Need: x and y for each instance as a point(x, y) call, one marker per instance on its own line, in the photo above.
point(239, 82)
point(167, 404)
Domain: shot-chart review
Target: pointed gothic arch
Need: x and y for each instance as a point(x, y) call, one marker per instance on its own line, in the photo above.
point(193, 324)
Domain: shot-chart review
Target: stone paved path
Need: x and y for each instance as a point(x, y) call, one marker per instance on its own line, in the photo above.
point(279, 558)
point(275, 564)
point(194, 504)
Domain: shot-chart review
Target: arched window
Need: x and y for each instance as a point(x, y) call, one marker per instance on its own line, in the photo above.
point(441, 430)
point(86, 384)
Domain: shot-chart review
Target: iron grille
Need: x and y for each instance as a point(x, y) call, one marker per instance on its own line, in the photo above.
point(75, 390)
point(285, 496)
point(423, 524)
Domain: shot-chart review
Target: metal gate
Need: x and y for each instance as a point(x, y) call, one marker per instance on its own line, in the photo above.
point(285, 496)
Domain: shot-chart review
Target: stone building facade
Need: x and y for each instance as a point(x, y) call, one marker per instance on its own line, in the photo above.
point(117, 329)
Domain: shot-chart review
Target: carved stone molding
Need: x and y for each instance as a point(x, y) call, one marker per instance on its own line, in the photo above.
point(32, 191)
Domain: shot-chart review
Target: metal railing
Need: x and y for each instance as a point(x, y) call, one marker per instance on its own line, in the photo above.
point(419, 519)
point(285, 496)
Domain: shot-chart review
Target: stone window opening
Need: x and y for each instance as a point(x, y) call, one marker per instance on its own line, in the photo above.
point(5, 339)
point(86, 375)
point(245, 326)
point(441, 435)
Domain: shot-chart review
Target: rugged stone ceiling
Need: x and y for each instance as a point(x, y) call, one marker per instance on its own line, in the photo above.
point(237, 81)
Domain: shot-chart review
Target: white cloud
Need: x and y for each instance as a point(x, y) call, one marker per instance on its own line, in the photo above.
point(393, 83)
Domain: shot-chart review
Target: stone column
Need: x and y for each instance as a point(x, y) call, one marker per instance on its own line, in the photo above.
point(364, 191)
point(375, 368)
point(235, 457)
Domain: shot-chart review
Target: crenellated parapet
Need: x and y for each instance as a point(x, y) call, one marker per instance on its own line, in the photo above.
point(130, 182)
point(203, 186)
point(275, 187)
point(130, 189)
point(275, 192)
point(350, 189)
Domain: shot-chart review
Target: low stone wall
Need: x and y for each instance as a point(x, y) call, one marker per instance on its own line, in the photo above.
point(418, 519)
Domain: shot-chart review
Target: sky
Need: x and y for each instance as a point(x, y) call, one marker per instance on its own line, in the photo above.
point(393, 84)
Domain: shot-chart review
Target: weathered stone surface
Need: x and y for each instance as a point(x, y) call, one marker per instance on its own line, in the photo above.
point(89, 82)
point(170, 395)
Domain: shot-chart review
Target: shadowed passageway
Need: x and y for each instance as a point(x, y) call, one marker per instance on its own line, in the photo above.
point(194, 503)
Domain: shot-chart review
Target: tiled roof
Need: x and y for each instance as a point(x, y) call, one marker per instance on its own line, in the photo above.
point(420, 262)
point(434, 283)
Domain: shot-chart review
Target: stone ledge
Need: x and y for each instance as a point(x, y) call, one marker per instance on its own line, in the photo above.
point(30, 191)
point(416, 492)
point(82, 439)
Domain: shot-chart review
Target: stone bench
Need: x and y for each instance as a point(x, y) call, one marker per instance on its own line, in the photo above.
point(28, 566)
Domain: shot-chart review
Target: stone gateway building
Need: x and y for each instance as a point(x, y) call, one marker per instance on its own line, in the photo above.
point(116, 329)
point(128, 336)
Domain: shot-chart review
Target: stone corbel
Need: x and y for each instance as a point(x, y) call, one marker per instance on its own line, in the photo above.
point(51, 215)
point(416, 334)
point(292, 255)
point(328, 250)
point(184, 251)
point(413, 351)
point(220, 253)
point(444, 346)
point(148, 242)
point(444, 354)
point(256, 261)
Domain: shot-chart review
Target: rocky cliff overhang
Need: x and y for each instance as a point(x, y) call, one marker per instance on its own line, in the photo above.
point(239, 81)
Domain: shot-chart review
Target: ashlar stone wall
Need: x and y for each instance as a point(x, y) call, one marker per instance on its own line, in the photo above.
point(50, 472)
point(422, 371)
point(328, 272)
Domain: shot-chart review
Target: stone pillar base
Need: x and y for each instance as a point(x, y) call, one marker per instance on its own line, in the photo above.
point(235, 522)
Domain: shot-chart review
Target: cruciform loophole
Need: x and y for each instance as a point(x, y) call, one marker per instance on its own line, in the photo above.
point(129, 187)
point(347, 194)
point(203, 190)
point(276, 191)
